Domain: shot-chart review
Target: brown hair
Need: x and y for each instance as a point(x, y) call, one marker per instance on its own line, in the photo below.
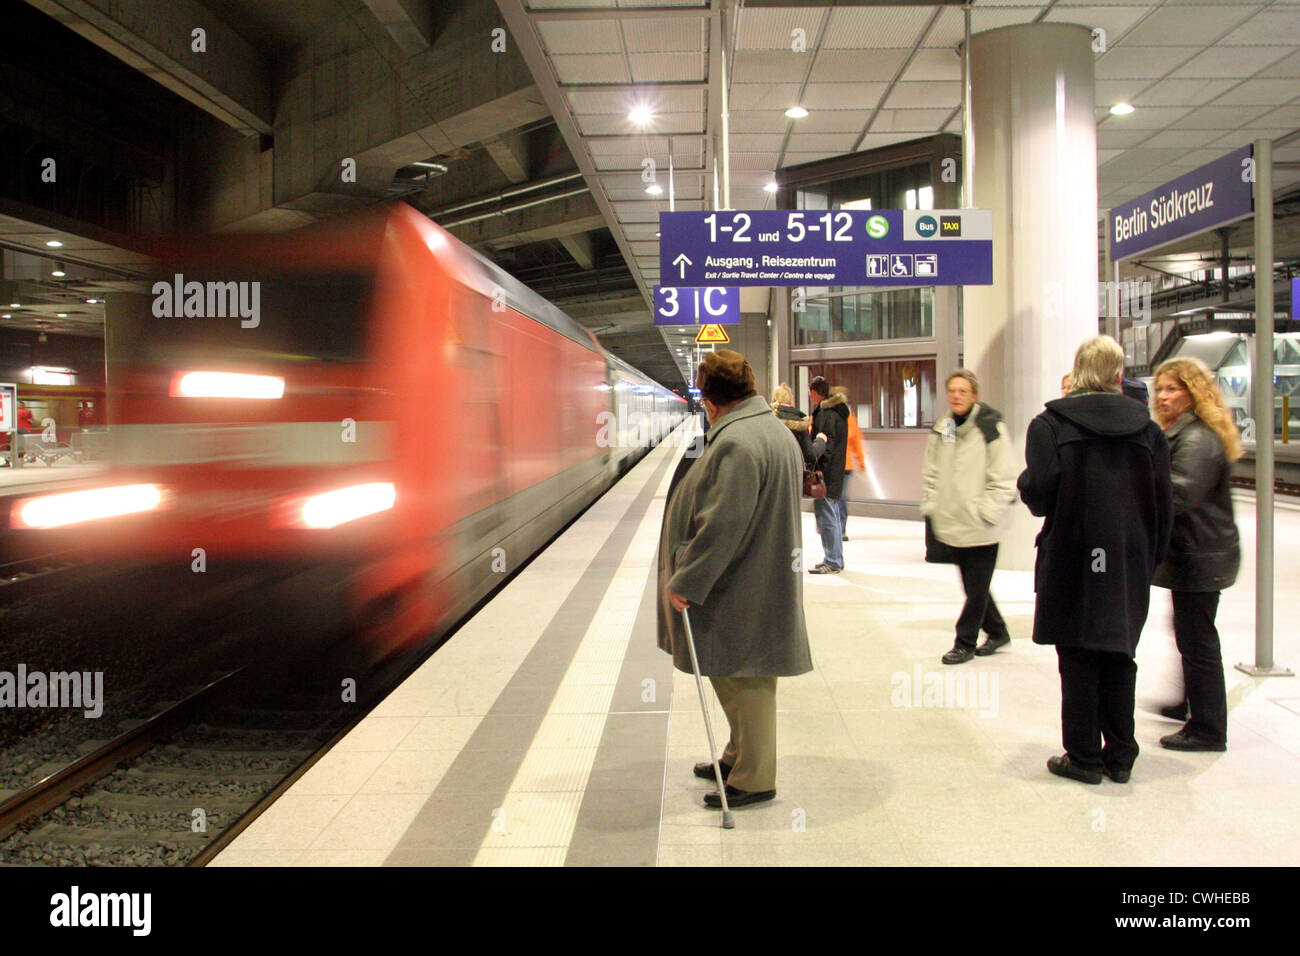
point(1207, 400)
point(724, 377)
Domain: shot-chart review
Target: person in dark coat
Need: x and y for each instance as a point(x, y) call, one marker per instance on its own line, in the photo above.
point(1204, 550)
point(1097, 470)
point(830, 428)
point(730, 553)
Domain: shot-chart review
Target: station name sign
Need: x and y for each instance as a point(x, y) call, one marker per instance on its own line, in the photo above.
point(801, 247)
point(1206, 198)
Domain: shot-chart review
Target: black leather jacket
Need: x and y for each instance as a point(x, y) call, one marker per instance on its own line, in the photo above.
point(1204, 551)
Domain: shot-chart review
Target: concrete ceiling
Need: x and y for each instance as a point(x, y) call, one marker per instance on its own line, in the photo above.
point(1205, 78)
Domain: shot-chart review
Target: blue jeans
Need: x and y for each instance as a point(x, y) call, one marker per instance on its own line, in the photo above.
point(831, 531)
point(843, 503)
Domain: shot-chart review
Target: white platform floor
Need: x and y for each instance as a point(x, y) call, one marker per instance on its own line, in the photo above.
point(551, 731)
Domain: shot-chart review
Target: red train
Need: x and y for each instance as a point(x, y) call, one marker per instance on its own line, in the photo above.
point(370, 400)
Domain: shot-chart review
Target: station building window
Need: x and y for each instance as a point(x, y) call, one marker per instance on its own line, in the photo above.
point(849, 315)
point(891, 393)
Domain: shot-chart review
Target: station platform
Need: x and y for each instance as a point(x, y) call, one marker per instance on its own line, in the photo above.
point(550, 730)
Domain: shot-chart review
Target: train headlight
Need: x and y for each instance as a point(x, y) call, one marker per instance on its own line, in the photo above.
point(53, 511)
point(333, 508)
point(226, 385)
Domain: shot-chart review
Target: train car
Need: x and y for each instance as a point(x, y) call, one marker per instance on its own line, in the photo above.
point(368, 401)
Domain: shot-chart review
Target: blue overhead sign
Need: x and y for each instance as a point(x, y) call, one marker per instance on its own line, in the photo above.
point(1214, 195)
point(686, 306)
point(799, 247)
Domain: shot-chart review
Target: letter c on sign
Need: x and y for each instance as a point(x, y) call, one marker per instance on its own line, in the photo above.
point(720, 310)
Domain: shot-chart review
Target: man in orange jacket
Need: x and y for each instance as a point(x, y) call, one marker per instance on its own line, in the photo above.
point(853, 459)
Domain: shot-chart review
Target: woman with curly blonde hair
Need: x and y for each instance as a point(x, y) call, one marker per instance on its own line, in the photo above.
point(1204, 551)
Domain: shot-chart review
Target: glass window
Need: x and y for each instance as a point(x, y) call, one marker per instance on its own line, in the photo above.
point(894, 393)
point(864, 316)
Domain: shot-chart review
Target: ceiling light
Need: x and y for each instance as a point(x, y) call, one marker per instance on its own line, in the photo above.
point(654, 189)
point(1121, 109)
point(59, 273)
point(771, 188)
point(92, 302)
point(6, 316)
point(15, 305)
point(63, 315)
point(656, 235)
point(796, 112)
point(54, 243)
point(641, 115)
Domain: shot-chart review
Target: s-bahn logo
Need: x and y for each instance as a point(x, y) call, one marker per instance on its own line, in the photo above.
point(926, 227)
point(209, 300)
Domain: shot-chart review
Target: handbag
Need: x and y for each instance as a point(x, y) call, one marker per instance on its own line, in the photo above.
point(936, 552)
point(814, 484)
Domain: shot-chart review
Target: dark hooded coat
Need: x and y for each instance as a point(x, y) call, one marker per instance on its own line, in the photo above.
point(1098, 472)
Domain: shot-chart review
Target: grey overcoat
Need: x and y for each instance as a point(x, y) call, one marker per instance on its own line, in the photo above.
point(732, 544)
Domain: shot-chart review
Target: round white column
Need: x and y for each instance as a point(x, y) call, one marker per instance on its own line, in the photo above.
point(1034, 164)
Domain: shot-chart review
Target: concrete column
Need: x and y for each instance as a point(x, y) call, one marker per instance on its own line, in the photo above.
point(1035, 165)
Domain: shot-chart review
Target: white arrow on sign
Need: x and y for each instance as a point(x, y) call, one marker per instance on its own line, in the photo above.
point(681, 262)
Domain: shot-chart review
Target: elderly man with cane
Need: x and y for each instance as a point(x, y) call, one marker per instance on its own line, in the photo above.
point(730, 557)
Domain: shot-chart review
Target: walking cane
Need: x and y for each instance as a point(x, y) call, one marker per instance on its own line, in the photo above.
point(727, 822)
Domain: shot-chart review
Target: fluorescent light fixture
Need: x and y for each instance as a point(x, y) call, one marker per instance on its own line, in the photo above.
point(53, 511)
point(654, 189)
point(641, 115)
point(333, 508)
point(58, 273)
point(770, 188)
point(54, 243)
point(15, 305)
point(226, 385)
point(796, 112)
point(62, 315)
point(42, 375)
point(1121, 109)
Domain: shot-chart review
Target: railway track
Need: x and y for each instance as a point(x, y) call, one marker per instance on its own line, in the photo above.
point(172, 790)
point(28, 574)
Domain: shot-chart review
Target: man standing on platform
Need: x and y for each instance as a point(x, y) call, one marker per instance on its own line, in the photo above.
point(830, 429)
point(1098, 470)
point(730, 553)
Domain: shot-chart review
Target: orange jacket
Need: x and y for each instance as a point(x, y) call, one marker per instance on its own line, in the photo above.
point(855, 460)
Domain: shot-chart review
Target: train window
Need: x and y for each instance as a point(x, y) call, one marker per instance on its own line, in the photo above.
point(287, 316)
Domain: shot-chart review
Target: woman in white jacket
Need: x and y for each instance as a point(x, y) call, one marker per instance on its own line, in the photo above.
point(970, 485)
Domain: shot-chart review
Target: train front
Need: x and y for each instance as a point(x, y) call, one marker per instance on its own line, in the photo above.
point(259, 395)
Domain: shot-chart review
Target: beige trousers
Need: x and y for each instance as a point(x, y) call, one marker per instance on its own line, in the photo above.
point(750, 706)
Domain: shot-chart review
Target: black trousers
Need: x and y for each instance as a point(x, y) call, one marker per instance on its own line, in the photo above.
point(1097, 690)
point(976, 567)
point(1198, 643)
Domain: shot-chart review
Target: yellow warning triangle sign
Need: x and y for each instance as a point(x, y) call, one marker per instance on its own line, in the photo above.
point(711, 335)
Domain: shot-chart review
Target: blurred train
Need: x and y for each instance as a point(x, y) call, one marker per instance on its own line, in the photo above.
point(370, 403)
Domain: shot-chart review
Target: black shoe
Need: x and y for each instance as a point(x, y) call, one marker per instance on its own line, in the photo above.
point(959, 655)
point(737, 798)
point(992, 644)
point(705, 770)
point(1179, 712)
point(1185, 740)
point(823, 568)
point(1118, 776)
point(1063, 766)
